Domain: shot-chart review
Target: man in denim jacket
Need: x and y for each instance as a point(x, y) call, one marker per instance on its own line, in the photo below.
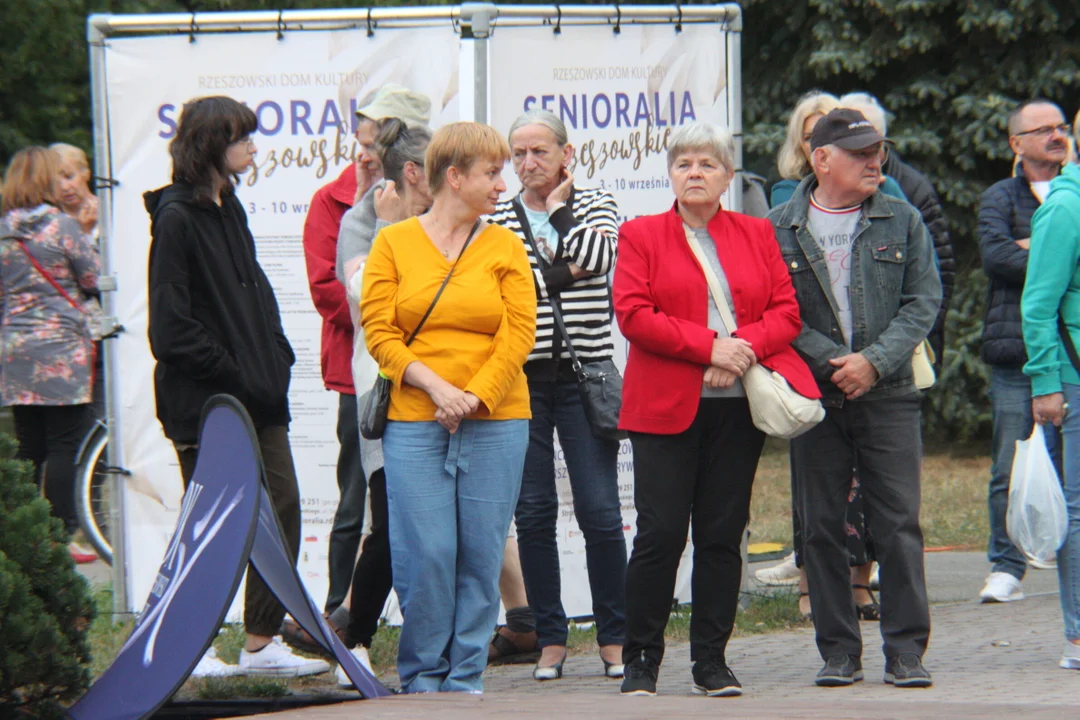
point(862, 264)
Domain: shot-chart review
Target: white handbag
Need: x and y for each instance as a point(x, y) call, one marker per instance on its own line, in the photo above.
point(922, 365)
point(775, 407)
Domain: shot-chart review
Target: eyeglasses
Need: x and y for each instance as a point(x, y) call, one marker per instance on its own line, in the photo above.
point(1047, 130)
point(245, 141)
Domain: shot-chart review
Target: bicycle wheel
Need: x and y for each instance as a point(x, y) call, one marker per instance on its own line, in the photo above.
point(93, 492)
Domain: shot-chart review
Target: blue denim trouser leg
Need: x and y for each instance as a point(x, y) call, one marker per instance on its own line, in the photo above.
point(450, 499)
point(1010, 396)
point(592, 464)
point(1068, 556)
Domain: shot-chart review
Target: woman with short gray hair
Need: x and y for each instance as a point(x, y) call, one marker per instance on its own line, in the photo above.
point(569, 234)
point(696, 448)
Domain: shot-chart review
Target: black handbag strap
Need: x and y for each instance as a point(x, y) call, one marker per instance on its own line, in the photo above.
point(445, 282)
point(1067, 341)
point(556, 312)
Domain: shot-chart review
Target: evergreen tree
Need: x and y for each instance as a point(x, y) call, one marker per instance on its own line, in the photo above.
point(45, 605)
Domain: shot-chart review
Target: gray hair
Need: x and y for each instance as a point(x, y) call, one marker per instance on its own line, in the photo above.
point(398, 144)
point(545, 118)
point(868, 105)
point(714, 139)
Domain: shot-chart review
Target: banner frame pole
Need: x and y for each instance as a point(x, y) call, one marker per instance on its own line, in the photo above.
point(96, 34)
point(478, 17)
point(735, 124)
point(327, 19)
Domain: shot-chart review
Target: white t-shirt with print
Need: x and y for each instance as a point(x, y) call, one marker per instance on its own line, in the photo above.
point(833, 229)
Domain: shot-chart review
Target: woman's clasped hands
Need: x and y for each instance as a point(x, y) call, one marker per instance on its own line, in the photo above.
point(452, 405)
point(731, 358)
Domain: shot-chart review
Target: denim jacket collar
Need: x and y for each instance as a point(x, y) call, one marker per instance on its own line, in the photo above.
point(798, 207)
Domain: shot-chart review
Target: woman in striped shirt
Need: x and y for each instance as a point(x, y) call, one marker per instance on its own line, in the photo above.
point(569, 234)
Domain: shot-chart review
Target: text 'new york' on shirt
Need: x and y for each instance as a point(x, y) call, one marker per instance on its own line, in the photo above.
point(833, 229)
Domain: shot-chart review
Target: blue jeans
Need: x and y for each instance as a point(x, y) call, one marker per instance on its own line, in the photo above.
point(592, 464)
point(450, 500)
point(1068, 556)
point(1010, 397)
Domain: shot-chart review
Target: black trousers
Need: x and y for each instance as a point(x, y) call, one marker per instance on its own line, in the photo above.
point(349, 517)
point(704, 474)
point(262, 611)
point(49, 436)
point(882, 440)
point(373, 577)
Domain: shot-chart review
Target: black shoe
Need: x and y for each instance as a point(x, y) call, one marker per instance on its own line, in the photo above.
point(840, 670)
point(639, 677)
point(907, 670)
point(715, 679)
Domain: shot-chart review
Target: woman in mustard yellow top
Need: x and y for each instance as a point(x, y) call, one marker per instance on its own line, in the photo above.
point(455, 442)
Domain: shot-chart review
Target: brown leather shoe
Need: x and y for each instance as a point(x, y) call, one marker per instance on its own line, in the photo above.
point(511, 648)
point(297, 637)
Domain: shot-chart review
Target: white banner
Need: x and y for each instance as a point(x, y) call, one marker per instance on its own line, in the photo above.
point(620, 96)
point(304, 89)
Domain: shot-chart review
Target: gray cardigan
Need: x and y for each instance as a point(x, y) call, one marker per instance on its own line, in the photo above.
point(359, 226)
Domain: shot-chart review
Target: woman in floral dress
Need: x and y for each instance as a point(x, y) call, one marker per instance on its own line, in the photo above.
point(48, 273)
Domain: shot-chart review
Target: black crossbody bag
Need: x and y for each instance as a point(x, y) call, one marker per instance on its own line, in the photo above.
point(599, 382)
point(373, 419)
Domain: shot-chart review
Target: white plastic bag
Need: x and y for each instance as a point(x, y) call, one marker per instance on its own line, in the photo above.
point(1037, 520)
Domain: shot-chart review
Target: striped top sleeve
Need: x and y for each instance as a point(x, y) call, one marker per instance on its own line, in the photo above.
point(588, 232)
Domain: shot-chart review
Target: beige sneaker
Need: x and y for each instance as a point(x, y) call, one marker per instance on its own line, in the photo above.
point(276, 660)
point(361, 654)
point(786, 573)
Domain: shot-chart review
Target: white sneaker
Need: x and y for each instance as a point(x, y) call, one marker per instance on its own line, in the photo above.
point(1070, 659)
point(278, 661)
point(1001, 587)
point(211, 666)
point(783, 574)
point(361, 654)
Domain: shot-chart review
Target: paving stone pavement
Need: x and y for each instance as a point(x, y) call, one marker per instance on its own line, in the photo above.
point(988, 661)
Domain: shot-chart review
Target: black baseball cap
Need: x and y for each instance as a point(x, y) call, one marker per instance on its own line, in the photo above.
point(844, 128)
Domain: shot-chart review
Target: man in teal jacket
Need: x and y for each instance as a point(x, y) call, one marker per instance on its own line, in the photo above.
point(1050, 305)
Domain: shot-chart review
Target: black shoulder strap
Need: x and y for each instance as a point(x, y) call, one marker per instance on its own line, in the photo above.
point(1066, 340)
point(445, 282)
point(556, 312)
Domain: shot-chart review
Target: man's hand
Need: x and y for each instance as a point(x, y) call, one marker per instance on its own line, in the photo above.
point(715, 378)
point(732, 354)
point(561, 193)
point(1025, 243)
point(389, 206)
point(1049, 408)
point(855, 375)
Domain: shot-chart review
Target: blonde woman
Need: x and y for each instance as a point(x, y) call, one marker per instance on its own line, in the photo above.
point(457, 430)
point(794, 157)
point(73, 193)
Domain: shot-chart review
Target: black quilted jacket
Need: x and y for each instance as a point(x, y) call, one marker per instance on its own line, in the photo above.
point(920, 192)
point(1005, 217)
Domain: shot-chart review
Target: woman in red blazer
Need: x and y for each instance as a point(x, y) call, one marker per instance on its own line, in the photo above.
point(695, 447)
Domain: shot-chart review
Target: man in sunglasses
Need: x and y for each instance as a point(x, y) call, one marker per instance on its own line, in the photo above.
point(1039, 136)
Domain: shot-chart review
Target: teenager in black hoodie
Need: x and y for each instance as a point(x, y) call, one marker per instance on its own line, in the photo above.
point(215, 328)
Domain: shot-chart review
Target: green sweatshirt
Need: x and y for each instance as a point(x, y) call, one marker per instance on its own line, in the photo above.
point(1052, 285)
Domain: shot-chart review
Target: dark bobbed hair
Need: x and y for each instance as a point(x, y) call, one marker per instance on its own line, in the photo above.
point(208, 126)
